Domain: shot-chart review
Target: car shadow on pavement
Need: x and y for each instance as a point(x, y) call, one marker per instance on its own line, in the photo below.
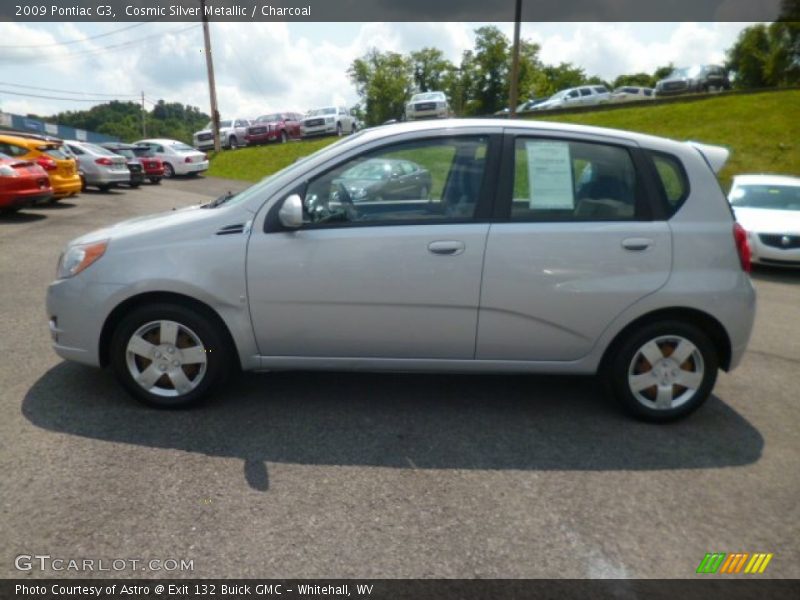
point(397, 420)
point(776, 274)
point(58, 205)
point(20, 217)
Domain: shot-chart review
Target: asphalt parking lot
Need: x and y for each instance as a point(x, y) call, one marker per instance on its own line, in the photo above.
point(368, 475)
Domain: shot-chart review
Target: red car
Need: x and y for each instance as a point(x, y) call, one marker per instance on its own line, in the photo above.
point(153, 167)
point(22, 183)
point(277, 127)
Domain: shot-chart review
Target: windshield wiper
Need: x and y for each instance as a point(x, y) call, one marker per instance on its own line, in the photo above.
point(221, 200)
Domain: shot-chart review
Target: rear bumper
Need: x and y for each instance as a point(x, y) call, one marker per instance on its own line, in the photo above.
point(24, 198)
point(62, 190)
point(107, 177)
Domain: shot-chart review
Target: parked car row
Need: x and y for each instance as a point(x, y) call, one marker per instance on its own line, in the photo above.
point(35, 169)
point(279, 127)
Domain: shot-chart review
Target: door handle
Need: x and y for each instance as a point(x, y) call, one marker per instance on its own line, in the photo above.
point(446, 247)
point(637, 244)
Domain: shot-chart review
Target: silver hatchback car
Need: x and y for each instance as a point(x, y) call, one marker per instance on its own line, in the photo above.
point(536, 248)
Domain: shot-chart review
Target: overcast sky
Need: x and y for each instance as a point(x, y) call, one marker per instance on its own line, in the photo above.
point(265, 67)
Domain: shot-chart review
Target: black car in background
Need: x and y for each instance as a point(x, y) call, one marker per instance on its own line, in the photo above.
point(702, 78)
point(386, 179)
point(133, 162)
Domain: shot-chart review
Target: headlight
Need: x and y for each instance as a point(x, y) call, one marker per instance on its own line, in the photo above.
point(329, 120)
point(78, 257)
point(7, 171)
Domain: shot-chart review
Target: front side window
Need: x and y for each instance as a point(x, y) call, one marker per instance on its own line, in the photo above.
point(557, 180)
point(428, 180)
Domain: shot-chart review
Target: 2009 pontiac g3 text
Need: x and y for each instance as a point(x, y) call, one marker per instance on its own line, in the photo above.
point(45, 562)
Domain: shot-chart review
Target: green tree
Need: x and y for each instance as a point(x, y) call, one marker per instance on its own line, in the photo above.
point(384, 81)
point(635, 79)
point(492, 66)
point(663, 72)
point(430, 69)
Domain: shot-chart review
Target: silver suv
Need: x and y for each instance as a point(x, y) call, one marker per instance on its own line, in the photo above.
point(536, 248)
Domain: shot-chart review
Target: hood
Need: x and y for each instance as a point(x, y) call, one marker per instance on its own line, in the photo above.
point(765, 220)
point(148, 223)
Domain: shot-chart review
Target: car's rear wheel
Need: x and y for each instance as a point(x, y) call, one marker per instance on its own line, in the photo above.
point(663, 371)
point(155, 180)
point(168, 355)
point(169, 172)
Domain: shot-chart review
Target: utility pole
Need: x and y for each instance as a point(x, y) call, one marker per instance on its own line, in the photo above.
point(514, 100)
point(144, 113)
point(212, 88)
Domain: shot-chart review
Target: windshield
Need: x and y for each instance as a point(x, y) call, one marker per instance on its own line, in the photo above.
point(126, 152)
point(322, 111)
point(775, 197)
point(180, 146)
point(221, 124)
point(427, 96)
point(143, 152)
point(268, 118)
point(679, 73)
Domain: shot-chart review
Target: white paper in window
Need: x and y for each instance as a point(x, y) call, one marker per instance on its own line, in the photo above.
point(549, 175)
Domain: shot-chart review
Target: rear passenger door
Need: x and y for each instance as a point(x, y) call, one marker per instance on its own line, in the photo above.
point(575, 241)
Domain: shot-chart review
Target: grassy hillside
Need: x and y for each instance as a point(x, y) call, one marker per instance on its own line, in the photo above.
point(253, 164)
point(762, 131)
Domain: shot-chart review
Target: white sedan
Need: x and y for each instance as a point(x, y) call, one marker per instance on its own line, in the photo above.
point(178, 158)
point(768, 207)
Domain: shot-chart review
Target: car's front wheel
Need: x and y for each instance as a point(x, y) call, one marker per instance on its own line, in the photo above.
point(168, 355)
point(663, 371)
point(233, 143)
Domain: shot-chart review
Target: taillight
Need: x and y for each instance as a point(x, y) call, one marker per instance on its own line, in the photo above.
point(47, 163)
point(106, 162)
point(742, 246)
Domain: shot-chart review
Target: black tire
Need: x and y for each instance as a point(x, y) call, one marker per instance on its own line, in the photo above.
point(702, 366)
point(83, 183)
point(204, 326)
point(135, 185)
point(9, 210)
point(339, 129)
point(104, 188)
point(284, 137)
point(155, 180)
point(169, 172)
point(233, 143)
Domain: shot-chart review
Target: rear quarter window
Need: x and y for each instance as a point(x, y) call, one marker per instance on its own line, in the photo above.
point(671, 179)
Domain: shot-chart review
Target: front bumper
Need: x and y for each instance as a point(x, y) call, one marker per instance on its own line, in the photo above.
point(318, 130)
point(76, 310)
point(764, 254)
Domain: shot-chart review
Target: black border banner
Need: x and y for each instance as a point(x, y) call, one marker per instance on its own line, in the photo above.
point(391, 10)
point(703, 587)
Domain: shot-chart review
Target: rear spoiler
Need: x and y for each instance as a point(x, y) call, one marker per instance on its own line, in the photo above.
point(716, 156)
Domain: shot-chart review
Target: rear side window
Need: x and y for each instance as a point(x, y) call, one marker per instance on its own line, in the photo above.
point(558, 180)
point(13, 150)
point(672, 177)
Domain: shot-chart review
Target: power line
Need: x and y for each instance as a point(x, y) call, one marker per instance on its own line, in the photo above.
point(56, 97)
point(101, 50)
point(43, 89)
point(78, 41)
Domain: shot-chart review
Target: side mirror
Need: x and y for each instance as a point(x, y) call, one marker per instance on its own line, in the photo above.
point(291, 213)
